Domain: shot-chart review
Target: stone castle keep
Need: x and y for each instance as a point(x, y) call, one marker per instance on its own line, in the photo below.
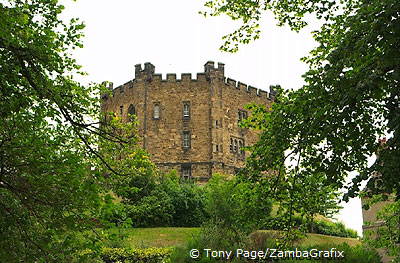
point(189, 124)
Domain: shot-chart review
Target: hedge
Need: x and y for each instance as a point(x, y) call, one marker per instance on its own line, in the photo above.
point(124, 255)
point(145, 255)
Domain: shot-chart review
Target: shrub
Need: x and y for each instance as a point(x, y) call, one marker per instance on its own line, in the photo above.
point(146, 255)
point(114, 212)
point(187, 199)
point(235, 203)
point(235, 209)
point(153, 210)
point(320, 226)
point(170, 203)
point(333, 229)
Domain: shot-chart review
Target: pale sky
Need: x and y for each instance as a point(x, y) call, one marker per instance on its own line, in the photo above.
point(176, 39)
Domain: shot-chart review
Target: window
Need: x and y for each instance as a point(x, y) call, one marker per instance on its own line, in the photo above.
point(216, 148)
point(186, 110)
point(156, 112)
point(121, 110)
point(186, 172)
point(186, 139)
point(236, 146)
point(131, 112)
point(242, 114)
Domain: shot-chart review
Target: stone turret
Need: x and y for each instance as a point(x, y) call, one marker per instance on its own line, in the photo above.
point(189, 124)
point(212, 72)
point(145, 74)
point(109, 86)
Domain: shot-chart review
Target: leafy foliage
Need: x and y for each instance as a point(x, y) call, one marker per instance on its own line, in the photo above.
point(250, 13)
point(333, 124)
point(351, 97)
point(152, 200)
point(387, 236)
point(236, 204)
point(51, 184)
point(47, 190)
point(235, 209)
point(171, 203)
point(323, 227)
point(188, 200)
point(145, 255)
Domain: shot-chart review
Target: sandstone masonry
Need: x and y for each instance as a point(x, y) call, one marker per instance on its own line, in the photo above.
point(190, 125)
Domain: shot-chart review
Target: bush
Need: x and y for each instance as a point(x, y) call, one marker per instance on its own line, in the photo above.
point(211, 236)
point(187, 199)
point(146, 255)
point(170, 203)
point(114, 212)
point(235, 209)
point(235, 203)
point(333, 229)
point(320, 226)
point(153, 210)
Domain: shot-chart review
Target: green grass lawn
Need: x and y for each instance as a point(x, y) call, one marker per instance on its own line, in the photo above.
point(158, 237)
point(178, 236)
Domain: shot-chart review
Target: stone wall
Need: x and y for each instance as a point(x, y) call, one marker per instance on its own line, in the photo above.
point(214, 104)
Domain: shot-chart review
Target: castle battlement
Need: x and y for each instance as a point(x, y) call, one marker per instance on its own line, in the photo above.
point(189, 122)
point(211, 71)
point(250, 89)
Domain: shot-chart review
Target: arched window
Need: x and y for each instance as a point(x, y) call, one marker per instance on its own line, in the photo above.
point(131, 112)
point(231, 145)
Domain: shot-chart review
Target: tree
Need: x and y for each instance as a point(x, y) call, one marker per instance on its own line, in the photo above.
point(286, 12)
point(49, 189)
point(351, 98)
point(332, 125)
point(387, 235)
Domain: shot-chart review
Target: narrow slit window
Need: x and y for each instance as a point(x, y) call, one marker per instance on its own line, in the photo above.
point(186, 172)
point(186, 110)
point(242, 115)
point(156, 112)
point(131, 112)
point(186, 140)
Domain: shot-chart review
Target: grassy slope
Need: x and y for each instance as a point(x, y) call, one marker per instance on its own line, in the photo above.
point(159, 236)
point(317, 239)
point(177, 236)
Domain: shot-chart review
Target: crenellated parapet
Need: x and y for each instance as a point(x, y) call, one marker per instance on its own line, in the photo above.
point(123, 88)
point(212, 72)
point(109, 89)
point(242, 87)
point(189, 122)
point(172, 77)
